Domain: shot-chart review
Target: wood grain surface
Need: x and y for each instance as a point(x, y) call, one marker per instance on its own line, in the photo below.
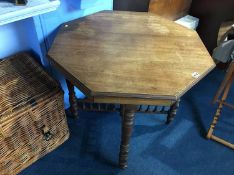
point(170, 9)
point(130, 54)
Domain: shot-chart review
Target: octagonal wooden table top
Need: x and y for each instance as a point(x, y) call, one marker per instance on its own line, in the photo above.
point(130, 54)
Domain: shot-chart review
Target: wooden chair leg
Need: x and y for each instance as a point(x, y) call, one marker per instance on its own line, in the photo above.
point(172, 112)
point(72, 100)
point(222, 141)
point(210, 135)
point(224, 82)
point(215, 120)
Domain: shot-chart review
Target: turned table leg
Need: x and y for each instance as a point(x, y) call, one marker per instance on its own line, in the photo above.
point(72, 99)
point(122, 111)
point(172, 111)
point(127, 126)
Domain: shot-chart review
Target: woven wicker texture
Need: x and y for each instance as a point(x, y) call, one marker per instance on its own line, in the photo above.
point(32, 117)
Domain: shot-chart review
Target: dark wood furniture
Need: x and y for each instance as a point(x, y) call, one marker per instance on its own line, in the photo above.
point(21, 2)
point(129, 58)
point(211, 14)
point(131, 5)
point(170, 9)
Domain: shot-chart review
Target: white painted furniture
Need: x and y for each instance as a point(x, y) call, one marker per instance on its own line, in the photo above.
point(11, 13)
point(188, 21)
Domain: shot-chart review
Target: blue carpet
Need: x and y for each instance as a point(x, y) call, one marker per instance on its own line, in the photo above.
point(156, 148)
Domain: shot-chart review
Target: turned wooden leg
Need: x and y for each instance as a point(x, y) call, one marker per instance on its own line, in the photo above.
point(172, 112)
point(72, 100)
point(227, 86)
point(127, 126)
point(122, 111)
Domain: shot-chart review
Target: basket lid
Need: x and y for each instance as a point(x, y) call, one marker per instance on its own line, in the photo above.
point(23, 81)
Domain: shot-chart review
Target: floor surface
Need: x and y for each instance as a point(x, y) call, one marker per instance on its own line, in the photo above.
point(156, 148)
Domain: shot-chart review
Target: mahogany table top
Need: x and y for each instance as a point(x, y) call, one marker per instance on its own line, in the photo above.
point(130, 55)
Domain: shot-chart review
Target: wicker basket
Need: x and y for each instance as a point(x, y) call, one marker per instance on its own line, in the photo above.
point(32, 117)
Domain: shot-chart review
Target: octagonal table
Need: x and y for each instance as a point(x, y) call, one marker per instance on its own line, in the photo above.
point(129, 58)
